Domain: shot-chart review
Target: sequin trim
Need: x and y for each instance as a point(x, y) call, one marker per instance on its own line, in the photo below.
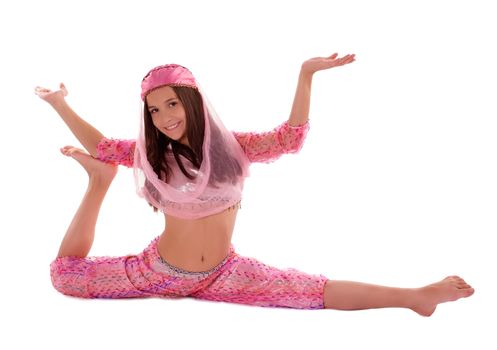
point(196, 273)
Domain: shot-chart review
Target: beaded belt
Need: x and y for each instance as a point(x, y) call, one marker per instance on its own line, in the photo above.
point(178, 270)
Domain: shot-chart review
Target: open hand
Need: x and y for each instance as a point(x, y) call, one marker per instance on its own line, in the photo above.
point(51, 96)
point(320, 63)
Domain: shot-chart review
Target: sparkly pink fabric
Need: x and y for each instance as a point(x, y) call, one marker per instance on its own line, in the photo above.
point(216, 183)
point(236, 279)
point(165, 75)
point(263, 147)
point(266, 147)
point(115, 151)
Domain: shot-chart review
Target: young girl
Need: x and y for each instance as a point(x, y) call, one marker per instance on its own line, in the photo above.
point(188, 166)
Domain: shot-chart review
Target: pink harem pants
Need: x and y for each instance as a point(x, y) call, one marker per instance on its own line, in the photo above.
point(236, 279)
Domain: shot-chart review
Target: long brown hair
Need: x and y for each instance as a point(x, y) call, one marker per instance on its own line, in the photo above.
point(224, 167)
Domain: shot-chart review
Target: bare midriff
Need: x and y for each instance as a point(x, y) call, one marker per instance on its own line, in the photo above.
point(200, 244)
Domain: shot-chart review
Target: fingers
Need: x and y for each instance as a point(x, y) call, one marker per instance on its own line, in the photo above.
point(49, 95)
point(348, 57)
point(63, 89)
point(333, 61)
point(344, 60)
point(41, 90)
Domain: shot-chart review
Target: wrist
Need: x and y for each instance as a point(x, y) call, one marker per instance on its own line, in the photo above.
point(59, 103)
point(305, 73)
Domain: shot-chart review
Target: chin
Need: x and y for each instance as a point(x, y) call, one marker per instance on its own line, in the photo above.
point(183, 140)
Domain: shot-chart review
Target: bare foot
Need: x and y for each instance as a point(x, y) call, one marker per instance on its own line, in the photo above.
point(96, 169)
point(449, 289)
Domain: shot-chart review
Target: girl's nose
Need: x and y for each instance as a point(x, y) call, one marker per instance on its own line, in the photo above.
point(162, 115)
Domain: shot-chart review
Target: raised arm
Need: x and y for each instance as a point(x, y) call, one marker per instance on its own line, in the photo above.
point(87, 135)
point(289, 136)
point(300, 108)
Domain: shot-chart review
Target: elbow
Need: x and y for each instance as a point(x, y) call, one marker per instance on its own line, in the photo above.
point(295, 147)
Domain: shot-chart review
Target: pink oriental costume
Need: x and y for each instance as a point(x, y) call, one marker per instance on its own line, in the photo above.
point(236, 279)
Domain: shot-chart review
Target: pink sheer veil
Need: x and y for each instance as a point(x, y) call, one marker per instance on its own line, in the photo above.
point(223, 158)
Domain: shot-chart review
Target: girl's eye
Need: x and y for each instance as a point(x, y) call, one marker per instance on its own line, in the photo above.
point(153, 110)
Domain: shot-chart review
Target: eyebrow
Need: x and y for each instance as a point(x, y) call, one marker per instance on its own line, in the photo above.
point(170, 99)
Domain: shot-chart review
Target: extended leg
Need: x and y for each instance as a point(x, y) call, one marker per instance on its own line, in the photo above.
point(246, 280)
point(346, 295)
point(81, 232)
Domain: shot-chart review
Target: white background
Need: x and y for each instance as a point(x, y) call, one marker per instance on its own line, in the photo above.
point(395, 184)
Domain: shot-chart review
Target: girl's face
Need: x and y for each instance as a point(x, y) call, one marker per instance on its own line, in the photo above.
point(168, 114)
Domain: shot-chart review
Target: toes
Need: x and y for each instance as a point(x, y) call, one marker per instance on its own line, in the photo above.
point(462, 284)
point(70, 150)
point(64, 150)
point(455, 279)
point(458, 283)
point(451, 278)
point(67, 151)
point(464, 293)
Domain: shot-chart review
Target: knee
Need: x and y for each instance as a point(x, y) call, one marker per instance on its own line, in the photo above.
point(70, 277)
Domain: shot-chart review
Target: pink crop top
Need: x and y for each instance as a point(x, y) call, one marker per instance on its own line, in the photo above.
point(264, 147)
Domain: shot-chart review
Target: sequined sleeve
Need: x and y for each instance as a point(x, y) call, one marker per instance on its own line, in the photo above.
point(116, 151)
point(266, 147)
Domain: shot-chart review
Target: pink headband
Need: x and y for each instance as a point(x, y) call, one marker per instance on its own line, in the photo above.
point(168, 74)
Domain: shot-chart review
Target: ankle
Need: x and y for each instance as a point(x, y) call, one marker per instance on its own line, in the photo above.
point(97, 181)
point(415, 297)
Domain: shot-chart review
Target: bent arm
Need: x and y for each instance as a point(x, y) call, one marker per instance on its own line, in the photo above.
point(266, 147)
point(300, 108)
point(84, 132)
point(288, 137)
